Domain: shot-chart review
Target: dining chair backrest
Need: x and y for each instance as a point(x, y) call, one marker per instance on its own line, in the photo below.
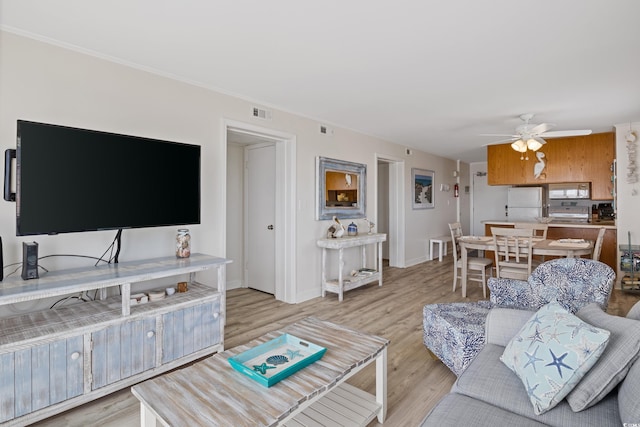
point(513, 252)
point(478, 268)
point(597, 247)
point(456, 233)
point(539, 229)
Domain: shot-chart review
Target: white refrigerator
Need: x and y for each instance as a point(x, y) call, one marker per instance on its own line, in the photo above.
point(525, 203)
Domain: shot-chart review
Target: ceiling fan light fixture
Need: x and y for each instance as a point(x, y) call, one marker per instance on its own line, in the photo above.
point(520, 146)
point(533, 144)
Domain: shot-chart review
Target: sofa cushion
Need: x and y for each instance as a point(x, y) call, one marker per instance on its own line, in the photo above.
point(489, 380)
point(552, 352)
point(459, 410)
point(614, 363)
point(628, 393)
point(503, 323)
point(634, 313)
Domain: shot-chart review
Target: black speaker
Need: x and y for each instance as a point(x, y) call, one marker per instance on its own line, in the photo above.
point(1, 262)
point(29, 260)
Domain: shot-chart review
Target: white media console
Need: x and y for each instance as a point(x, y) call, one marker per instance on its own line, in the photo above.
point(56, 359)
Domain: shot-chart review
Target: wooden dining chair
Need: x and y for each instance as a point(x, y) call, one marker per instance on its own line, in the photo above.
point(539, 229)
point(539, 232)
point(477, 267)
point(513, 254)
point(597, 247)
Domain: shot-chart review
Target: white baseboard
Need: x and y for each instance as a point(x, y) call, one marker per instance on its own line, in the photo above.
point(305, 296)
point(416, 261)
point(234, 284)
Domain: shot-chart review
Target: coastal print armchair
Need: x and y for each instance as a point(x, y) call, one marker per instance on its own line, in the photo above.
point(573, 282)
point(455, 332)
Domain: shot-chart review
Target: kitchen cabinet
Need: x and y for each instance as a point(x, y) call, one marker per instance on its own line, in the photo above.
point(571, 159)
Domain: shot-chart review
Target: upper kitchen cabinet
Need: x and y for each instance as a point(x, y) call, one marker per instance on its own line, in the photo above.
point(571, 159)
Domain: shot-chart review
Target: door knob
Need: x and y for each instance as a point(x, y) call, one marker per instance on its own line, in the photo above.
point(269, 227)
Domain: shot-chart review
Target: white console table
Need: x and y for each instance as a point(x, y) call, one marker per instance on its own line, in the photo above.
point(347, 282)
point(53, 360)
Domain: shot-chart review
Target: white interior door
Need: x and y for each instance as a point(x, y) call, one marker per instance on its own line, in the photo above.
point(260, 208)
point(489, 202)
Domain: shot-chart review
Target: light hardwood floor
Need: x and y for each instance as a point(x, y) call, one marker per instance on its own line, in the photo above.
point(415, 380)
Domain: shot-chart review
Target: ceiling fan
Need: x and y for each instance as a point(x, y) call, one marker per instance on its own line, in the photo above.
point(529, 136)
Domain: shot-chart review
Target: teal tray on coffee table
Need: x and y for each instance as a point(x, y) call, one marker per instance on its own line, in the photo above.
point(275, 360)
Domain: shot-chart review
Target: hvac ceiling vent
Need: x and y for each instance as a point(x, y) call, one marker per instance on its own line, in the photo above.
point(326, 130)
point(261, 113)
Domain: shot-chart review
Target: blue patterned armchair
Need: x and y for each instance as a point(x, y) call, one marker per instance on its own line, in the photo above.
point(454, 332)
point(573, 282)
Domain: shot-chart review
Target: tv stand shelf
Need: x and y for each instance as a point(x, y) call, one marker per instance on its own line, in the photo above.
point(53, 360)
point(64, 282)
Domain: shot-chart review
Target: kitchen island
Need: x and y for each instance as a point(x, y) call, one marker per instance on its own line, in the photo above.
point(576, 230)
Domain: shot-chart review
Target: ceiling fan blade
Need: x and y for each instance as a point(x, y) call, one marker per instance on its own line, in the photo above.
point(558, 133)
point(541, 128)
point(501, 141)
point(499, 134)
point(540, 140)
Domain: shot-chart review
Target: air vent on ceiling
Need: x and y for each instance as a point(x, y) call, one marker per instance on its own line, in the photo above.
point(326, 130)
point(261, 113)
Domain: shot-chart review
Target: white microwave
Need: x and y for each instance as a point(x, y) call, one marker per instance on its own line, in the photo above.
point(570, 190)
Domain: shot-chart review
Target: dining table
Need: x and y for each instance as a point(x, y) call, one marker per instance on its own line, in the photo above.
point(569, 248)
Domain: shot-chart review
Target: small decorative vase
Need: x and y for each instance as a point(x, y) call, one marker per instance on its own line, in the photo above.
point(352, 229)
point(183, 243)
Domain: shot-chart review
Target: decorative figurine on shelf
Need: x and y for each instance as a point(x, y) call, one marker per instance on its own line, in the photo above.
point(352, 229)
point(370, 224)
point(336, 230)
point(183, 243)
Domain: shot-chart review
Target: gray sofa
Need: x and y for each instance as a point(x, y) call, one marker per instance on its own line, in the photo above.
point(488, 393)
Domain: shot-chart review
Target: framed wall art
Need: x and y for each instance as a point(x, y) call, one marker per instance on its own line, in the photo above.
point(423, 188)
point(340, 189)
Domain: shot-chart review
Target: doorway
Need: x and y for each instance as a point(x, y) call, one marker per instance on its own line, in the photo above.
point(259, 217)
point(263, 254)
point(390, 207)
point(487, 201)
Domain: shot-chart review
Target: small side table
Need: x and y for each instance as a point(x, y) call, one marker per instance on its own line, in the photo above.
point(442, 246)
point(345, 283)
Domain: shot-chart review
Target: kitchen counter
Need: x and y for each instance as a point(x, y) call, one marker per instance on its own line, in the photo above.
point(597, 224)
point(576, 230)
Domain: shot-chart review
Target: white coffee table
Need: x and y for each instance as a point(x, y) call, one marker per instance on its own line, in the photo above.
point(211, 393)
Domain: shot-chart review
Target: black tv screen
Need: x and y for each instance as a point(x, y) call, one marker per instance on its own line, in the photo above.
point(72, 180)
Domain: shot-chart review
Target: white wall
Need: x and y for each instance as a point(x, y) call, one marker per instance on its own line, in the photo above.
point(465, 196)
point(50, 84)
point(383, 205)
point(628, 194)
point(235, 215)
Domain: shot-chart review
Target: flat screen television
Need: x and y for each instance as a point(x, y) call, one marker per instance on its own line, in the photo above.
point(73, 180)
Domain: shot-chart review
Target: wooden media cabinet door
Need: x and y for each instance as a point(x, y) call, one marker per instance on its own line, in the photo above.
point(190, 329)
point(123, 350)
point(40, 376)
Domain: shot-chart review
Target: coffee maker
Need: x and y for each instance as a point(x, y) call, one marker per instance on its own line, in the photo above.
point(605, 211)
